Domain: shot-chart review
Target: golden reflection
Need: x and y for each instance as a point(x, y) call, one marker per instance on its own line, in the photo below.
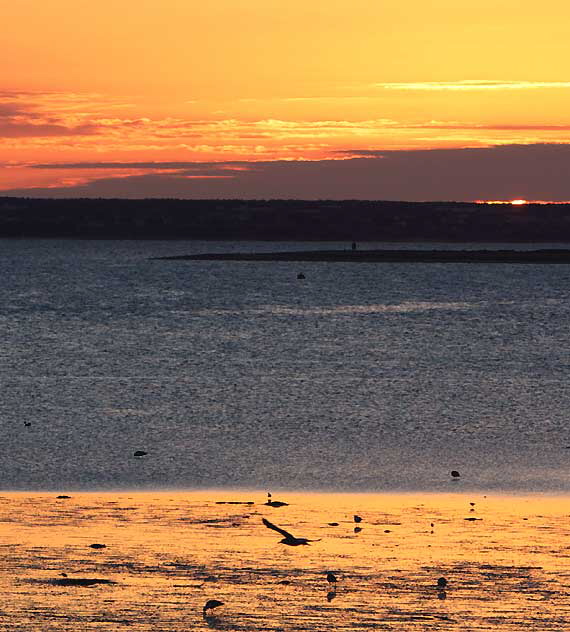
point(417, 560)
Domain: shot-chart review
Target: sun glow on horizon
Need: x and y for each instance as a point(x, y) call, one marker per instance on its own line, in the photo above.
point(521, 202)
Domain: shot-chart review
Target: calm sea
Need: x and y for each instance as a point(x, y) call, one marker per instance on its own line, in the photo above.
point(360, 377)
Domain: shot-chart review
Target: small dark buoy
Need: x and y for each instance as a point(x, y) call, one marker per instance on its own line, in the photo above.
point(357, 519)
point(455, 474)
point(140, 453)
point(97, 546)
point(441, 582)
point(300, 275)
point(211, 604)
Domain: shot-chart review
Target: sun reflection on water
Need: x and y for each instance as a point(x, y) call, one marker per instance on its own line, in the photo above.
point(167, 553)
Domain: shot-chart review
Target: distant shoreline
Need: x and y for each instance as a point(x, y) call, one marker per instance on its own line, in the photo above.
point(387, 256)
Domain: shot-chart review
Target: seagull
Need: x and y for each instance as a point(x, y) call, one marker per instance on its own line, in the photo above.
point(455, 474)
point(210, 605)
point(274, 503)
point(331, 578)
point(289, 539)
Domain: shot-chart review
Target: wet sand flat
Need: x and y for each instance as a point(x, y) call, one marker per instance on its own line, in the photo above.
point(505, 559)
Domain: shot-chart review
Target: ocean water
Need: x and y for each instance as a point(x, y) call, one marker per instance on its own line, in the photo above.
point(361, 377)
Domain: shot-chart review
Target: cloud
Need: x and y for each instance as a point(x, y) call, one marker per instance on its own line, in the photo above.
point(539, 171)
point(473, 84)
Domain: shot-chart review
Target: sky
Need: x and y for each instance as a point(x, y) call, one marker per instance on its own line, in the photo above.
point(382, 99)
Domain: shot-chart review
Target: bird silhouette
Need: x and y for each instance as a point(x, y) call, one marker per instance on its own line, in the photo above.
point(332, 579)
point(289, 539)
point(455, 474)
point(210, 605)
point(357, 518)
point(441, 582)
point(274, 503)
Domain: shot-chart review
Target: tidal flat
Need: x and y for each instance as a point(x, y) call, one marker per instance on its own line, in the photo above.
point(164, 554)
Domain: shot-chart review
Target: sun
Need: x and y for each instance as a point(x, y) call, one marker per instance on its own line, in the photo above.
point(518, 202)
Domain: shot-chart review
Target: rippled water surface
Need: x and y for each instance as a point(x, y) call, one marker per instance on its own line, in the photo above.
point(232, 374)
point(166, 554)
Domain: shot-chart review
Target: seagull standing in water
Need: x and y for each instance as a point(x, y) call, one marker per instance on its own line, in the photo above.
point(289, 539)
point(274, 503)
point(332, 579)
point(210, 605)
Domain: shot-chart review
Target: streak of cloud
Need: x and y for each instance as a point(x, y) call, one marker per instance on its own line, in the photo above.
point(473, 84)
point(539, 172)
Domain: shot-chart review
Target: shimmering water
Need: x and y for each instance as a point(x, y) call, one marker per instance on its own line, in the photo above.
point(232, 374)
point(166, 554)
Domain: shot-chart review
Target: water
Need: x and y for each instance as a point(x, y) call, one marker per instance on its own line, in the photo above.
point(166, 554)
point(361, 377)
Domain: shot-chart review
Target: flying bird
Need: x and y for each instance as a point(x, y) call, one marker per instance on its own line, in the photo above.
point(289, 539)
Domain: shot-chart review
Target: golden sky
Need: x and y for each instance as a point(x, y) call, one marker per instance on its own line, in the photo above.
point(160, 81)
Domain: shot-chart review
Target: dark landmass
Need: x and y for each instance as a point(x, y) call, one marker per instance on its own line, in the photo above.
point(295, 220)
point(389, 256)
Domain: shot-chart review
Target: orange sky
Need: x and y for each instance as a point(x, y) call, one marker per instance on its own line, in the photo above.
point(154, 81)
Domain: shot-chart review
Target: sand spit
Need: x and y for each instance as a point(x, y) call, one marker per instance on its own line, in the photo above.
point(389, 256)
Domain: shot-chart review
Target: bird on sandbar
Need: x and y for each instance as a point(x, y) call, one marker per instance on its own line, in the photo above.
point(210, 605)
point(274, 503)
point(289, 539)
point(332, 579)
